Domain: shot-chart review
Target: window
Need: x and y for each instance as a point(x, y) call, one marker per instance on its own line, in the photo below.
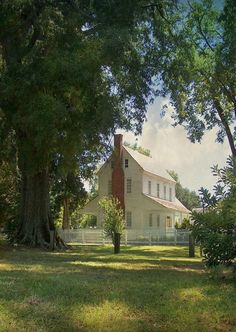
point(158, 190)
point(158, 221)
point(149, 187)
point(150, 220)
point(168, 222)
point(128, 219)
point(129, 186)
point(126, 163)
point(164, 192)
point(109, 187)
point(170, 194)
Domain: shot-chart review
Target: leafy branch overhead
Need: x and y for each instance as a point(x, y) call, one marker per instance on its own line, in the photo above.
point(195, 57)
point(225, 186)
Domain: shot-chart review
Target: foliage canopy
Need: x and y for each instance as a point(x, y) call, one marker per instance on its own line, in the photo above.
point(71, 72)
point(195, 59)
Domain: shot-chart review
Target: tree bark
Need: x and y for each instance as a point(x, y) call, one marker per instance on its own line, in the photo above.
point(35, 222)
point(226, 126)
point(191, 246)
point(116, 243)
point(66, 213)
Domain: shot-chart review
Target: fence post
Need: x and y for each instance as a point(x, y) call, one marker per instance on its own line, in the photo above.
point(150, 239)
point(191, 246)
point(175, 236)
point(126, 237)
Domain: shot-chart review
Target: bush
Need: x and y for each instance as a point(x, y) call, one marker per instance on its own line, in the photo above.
point(215, 231)
point(114, 224)
point(87, 220)
point(184, 225)
point(10, 229)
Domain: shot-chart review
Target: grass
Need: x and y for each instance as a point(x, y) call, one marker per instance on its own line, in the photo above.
point(89, 289)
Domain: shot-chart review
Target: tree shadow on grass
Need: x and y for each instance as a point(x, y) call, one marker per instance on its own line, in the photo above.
point(103, 255)
point(42, 286)
point(155, 292)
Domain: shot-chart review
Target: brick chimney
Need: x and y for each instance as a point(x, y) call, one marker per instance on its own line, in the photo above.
point(118, 178)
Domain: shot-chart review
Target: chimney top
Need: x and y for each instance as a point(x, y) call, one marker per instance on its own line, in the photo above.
point(118, 140)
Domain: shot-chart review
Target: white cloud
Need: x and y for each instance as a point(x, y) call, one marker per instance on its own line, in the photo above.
point(170, 146)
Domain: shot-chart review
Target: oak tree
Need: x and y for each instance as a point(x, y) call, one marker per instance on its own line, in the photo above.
point(71, 72)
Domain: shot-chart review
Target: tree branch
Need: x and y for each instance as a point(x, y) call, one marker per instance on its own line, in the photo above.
point(224, 121)
point(202, 33)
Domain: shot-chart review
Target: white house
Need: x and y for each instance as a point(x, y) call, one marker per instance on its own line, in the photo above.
point(146, 192)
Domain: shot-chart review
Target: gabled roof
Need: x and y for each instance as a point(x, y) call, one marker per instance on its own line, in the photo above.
point(176, 205)
point(148, 164)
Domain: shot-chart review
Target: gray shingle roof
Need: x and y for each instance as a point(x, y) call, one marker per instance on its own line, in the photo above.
point(176, 205)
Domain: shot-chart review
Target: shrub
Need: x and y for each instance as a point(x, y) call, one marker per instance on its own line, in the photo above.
point(215, 231)
point(184, 225)
point(113, 220)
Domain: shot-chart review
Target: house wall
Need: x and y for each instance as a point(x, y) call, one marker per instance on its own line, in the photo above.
point(133, 200)
point(136, 203)
point(158, 180)
point(105, 175)
point(92, 208)
point(150, 207)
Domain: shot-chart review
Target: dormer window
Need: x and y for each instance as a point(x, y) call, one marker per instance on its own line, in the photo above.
point(126, 163)
point(164, 192)
point(170, 194)
point(149, 187)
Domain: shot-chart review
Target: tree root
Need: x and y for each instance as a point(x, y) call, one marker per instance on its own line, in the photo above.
point(37, 241)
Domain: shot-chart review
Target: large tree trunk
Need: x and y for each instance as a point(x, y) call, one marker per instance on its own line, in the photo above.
point(35, 219)
point(66, 213)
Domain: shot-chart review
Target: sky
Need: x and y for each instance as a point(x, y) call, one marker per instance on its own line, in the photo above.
point(171, 147)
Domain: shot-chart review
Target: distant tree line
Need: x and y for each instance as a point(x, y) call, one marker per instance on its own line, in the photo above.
point(138, 148)
point(188, 198)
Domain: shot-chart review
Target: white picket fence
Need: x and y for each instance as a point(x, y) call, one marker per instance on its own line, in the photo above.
point(131, 236)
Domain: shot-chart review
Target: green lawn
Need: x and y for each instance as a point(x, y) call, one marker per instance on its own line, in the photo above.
point(89, 289)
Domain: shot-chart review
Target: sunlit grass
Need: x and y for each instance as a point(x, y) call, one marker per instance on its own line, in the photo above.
point(156, 288)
